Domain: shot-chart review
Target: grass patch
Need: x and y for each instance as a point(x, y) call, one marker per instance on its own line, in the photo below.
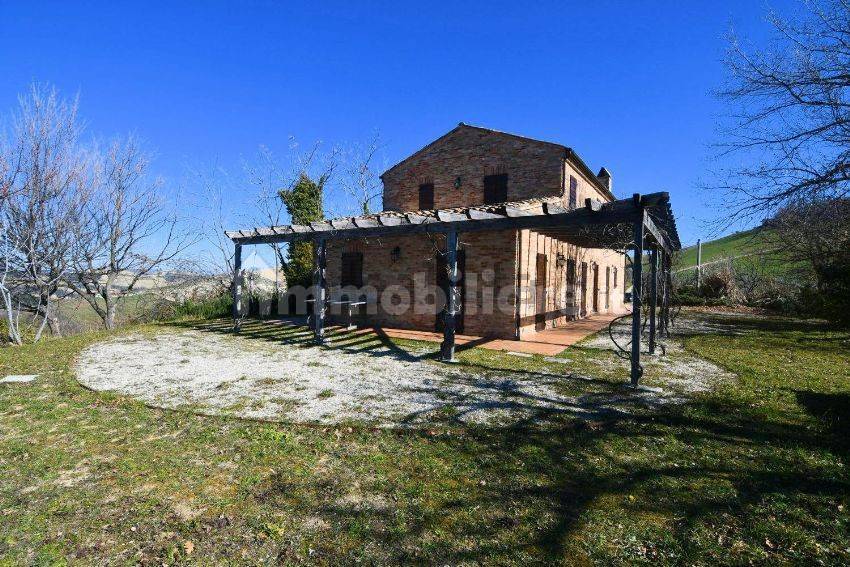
point(753, 472)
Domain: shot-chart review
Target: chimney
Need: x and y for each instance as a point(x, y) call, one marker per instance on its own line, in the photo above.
point(605, 177)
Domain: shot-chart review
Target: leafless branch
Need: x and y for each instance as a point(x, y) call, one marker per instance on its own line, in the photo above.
point(790, 123)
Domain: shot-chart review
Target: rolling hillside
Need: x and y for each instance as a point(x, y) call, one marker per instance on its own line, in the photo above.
point(740, 245)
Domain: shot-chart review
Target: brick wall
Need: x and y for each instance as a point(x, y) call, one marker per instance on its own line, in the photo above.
point(490, 268)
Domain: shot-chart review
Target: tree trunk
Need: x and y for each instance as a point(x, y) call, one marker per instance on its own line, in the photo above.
point(49, 318)
point(53, 325)
point(109, 320)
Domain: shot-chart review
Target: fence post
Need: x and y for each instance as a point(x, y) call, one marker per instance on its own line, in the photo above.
point(699, 263)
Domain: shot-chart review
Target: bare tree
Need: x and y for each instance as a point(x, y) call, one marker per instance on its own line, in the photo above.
point(361, 180)
point(127, 232)
point(44, 200)
point(791, 117)
point(213, 190)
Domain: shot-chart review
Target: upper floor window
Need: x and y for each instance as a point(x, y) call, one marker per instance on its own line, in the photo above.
point(426, 196)
point(573, 192)
point(615, 277)
point(495, 188)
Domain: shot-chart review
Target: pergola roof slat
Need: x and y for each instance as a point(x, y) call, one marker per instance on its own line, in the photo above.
point(342, 223)
point(365, 222)
point(451, 216)
point(479, 214)
point(389, 220)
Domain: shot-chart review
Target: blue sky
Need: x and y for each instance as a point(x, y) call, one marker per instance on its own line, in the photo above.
point(627, 84)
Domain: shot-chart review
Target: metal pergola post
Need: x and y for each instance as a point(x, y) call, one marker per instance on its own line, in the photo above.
point(653, 296)
point(319, 289)
point(237, 286)
point(637, 274)
point(447, 350)
point(665, 294)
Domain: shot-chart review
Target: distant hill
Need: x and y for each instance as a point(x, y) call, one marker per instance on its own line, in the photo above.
point(748, 247)
point(744, 243)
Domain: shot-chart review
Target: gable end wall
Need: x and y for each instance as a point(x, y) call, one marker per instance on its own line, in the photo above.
point(534, 169)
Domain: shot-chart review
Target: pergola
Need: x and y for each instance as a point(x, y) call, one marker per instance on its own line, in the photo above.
point(644, 222)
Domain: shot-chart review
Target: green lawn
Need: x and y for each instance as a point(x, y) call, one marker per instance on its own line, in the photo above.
point(753, 472)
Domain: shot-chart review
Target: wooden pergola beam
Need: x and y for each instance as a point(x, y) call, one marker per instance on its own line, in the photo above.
point(510, 216)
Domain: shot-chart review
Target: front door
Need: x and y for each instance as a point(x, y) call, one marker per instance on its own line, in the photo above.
point(540, 293)
point(596, 288)
point(583, 298)
point(443, 284)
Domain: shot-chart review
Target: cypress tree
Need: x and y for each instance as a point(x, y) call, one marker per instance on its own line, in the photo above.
point(304, 204)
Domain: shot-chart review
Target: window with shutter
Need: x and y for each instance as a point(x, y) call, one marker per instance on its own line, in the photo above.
point(573, 192)
point(352, 269)
point(426, 196)
point(495, 189)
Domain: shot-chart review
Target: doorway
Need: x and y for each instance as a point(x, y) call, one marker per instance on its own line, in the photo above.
point(596, 288)
point(443, 284)
point(540, 293)
point(583, 298)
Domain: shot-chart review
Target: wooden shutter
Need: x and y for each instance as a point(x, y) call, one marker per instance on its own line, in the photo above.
point(573, 192)
point(571, 271)
point(495, 189)
point(426, 196)
point(352, 269)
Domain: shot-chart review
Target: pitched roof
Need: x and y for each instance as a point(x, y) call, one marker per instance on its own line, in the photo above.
point(569, 153)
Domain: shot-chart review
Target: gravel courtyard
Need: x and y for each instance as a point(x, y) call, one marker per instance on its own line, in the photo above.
point(224, 374)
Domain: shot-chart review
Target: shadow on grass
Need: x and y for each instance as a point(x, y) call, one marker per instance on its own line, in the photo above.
point(533, 487)
point(712, 480)
point(833, 409)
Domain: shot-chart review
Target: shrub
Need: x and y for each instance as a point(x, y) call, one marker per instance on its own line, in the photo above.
point(721, 284)
point(212, 307)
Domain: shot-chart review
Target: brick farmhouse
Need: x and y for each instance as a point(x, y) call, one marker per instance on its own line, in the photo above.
point(513, 282)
